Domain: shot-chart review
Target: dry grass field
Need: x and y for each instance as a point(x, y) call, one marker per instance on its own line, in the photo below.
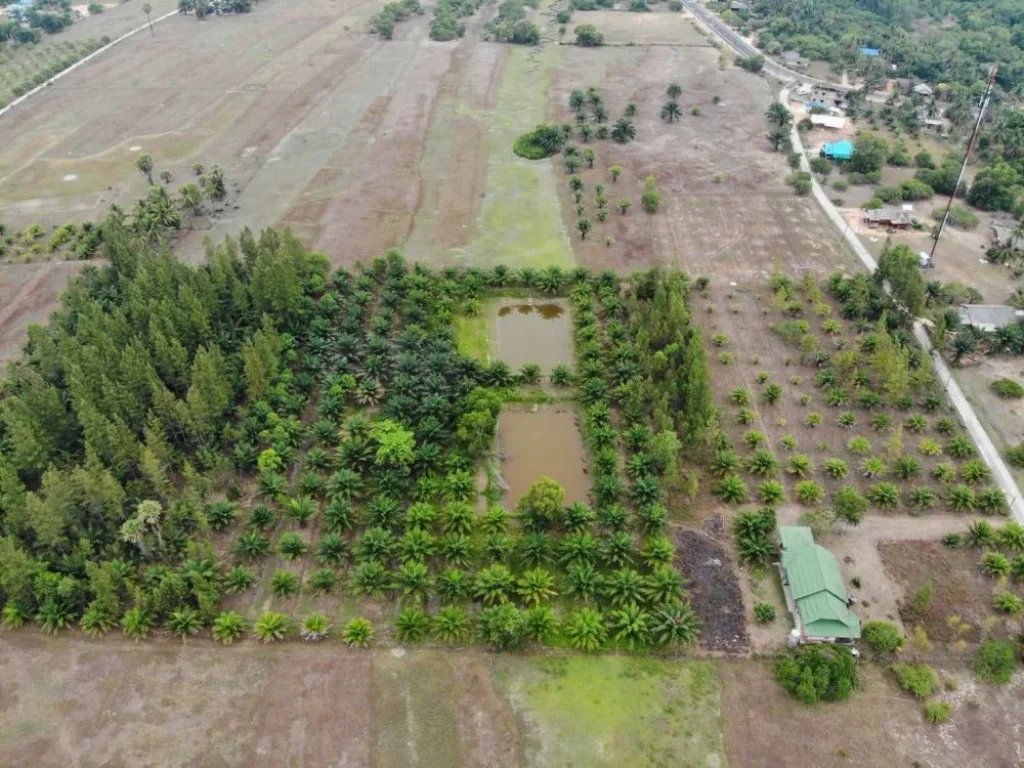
point(360, 144)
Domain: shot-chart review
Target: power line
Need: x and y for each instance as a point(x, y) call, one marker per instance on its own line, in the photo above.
point(967, 156)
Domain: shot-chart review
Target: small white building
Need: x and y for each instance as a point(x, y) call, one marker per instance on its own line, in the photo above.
point(833, 122)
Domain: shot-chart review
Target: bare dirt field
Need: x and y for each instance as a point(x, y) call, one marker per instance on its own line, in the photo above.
point(661, 27)
point(726, 209)
point(708, 567)
point(959, 615)
point(878, 726)
point(28, 293)
point(71, 701)
point(297, 102)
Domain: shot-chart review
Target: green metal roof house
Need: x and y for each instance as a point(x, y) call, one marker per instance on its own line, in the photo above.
point(837, 150)
point(814, 589)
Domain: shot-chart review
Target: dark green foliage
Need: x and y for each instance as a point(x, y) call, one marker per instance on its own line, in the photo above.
point(754, 533)
point(883, 636)
point(818, 673)
point(543, 141)
point(995, 661)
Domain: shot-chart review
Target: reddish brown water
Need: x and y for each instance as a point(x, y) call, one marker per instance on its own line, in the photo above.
point(532, 332)
point(542, 443)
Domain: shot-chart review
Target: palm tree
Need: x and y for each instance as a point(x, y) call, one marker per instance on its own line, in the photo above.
point(577, 100)
point(670, 111)
point(778, 115)
point(213, 183)
point(778, 137)
point(586, 131)
point(630, 110)
point(624, 130)
point(190, 199)
point(145, 164)
point(583, 225)
point(674, 90)
point(148, 9)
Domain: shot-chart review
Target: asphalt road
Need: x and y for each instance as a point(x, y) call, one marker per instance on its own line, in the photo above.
point(742, 47)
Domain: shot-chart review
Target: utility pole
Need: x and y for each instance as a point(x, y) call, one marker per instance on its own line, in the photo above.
point(967, 156)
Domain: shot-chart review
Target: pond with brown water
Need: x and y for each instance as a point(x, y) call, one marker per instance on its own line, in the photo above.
point(533, 332)
point(542, 441)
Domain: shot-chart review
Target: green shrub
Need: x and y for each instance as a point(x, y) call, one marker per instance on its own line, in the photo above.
point(995, 661)
point(960, 216)
point(543, 141)
point(764, 613)
point(1008, 388)
point(918, 679)
point(938, 712)
point(818, 673)
point(587, 36)
point(883, 636)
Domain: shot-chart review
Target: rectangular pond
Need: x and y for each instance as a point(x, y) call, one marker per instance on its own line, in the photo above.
point(533, 331)
point(542, 441)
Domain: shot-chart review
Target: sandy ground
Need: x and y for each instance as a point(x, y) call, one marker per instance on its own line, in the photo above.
point(28, 293)
point(1003, 419)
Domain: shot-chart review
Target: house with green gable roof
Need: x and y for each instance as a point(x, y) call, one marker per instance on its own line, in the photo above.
point(814, 590)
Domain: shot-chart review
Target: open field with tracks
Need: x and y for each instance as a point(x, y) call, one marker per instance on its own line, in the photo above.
point(360, 145)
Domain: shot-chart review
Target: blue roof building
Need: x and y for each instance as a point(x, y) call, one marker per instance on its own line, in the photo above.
point(838, 150)
point(870, 52)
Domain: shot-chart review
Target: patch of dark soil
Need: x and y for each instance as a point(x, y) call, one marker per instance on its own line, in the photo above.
point(959, 607)
point(714, 591)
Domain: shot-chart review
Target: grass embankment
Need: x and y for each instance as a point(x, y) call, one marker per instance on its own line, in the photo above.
point(472, 334)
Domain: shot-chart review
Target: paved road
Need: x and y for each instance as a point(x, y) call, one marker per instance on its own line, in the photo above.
point(742, 47)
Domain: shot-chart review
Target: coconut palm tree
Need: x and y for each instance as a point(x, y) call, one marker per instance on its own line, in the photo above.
point(674, 90)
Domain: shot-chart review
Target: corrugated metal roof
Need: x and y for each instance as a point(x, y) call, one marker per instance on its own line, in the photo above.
point(816, 585)
point(989, 315)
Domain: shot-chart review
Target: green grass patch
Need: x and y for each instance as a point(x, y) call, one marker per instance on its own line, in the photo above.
point(614, 710)
point(472, 335)
point(521, 219)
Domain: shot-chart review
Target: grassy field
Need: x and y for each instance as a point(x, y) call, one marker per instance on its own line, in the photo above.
point(521, 221)
point(614, 711)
